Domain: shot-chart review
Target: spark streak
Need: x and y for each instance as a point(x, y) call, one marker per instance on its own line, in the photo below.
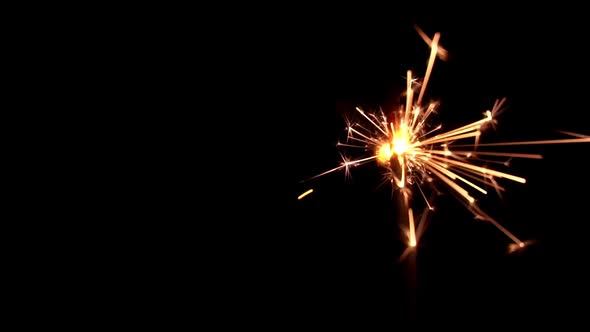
point(305, 194)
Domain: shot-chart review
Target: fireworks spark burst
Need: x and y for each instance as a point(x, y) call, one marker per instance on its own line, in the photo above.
point(418, 157)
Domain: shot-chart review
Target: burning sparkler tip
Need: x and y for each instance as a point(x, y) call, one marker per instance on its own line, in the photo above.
point(402, 143)
point(519, 246)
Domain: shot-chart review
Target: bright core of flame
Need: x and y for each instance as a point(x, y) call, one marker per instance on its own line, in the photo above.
point(397, 143)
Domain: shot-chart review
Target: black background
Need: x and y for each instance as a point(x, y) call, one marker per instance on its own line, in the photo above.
point(203, 122)
point(280, 82)
point(333, 256)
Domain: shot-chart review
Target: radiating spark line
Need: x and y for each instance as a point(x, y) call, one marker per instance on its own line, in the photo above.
point(434, 51)
point(486, 217)
point(371, 121)
point(483, 170)
point(583, 139)
point(424, 196)
point(573, 134)
point(447, 138)
point(412, 231)
point(344, 165)
point(417, 113)
point(483, 179)
point(369, 139)
point(361, 140)
point(351, 145)
point(485, 161)
point(362, 127)
point(409, 97)
point(455, 177)
point(441, 52)
point(451, 184)
point(422, 224)
point(430, 132)
point(451, 135)
point(497, 154)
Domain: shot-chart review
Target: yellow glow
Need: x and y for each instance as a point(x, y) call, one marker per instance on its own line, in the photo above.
point(384, 153)
point(399, 144)
point(401, 140)
point(305, 194)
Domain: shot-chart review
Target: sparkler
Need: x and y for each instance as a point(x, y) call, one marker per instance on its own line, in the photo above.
point(417, 157)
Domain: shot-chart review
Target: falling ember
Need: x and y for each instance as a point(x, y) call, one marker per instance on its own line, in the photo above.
point(416, 156)
point(305, 194)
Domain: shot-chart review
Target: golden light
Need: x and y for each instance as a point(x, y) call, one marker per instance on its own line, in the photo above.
point(397, 143)
point(413, 154)
point(401, 142)
point(305, 194)
point(384, 153)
